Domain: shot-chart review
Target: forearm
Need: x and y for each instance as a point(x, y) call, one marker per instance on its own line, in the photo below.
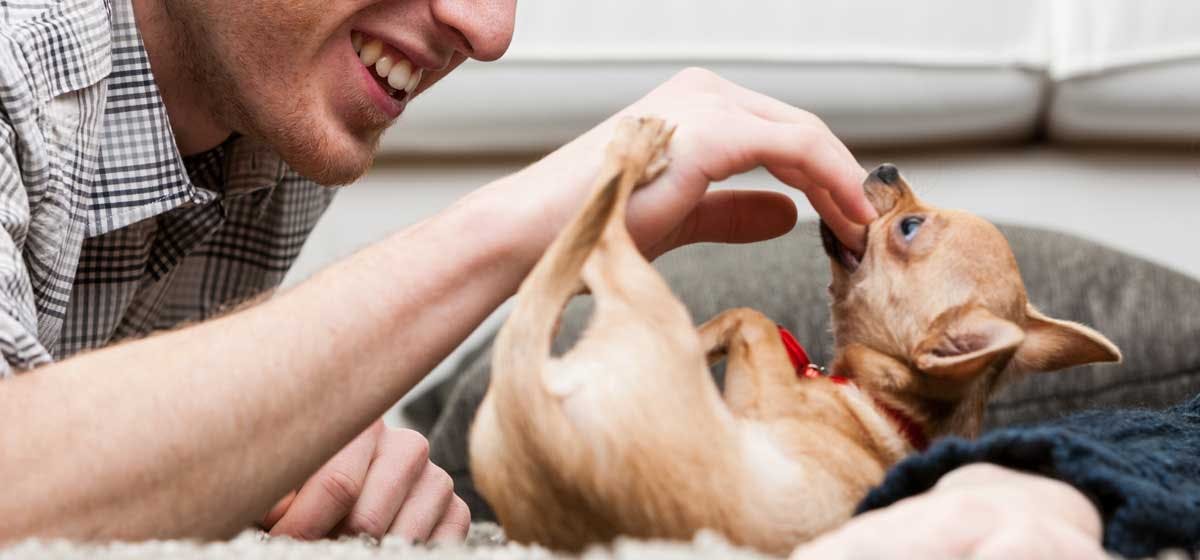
point(196, 432)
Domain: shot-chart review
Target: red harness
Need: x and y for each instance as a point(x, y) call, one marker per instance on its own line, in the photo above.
point(908, 428)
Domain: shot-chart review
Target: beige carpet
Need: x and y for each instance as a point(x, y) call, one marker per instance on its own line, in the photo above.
point(485, 542)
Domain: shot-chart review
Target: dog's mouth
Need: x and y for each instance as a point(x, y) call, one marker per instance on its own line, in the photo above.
point(837, 251)
point(884, 188)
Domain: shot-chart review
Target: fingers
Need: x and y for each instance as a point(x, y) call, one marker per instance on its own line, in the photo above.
point(794, 145)
point(382, 482)
point(851, 233)
point(328, 496)
point(399, 460)
point(425, 506)
point(454, 524)
point(845, 174)
point(721, 130)
point(732, 216)
point(808, 156)
point(830, 166)
point(800, 156)
point(277, 512)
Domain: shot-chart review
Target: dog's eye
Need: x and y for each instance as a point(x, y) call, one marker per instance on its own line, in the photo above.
point(910, 225)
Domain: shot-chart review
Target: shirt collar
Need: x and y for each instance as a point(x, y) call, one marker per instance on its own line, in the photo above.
point(141, 171)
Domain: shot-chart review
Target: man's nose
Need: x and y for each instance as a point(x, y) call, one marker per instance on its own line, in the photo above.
point(484, 26)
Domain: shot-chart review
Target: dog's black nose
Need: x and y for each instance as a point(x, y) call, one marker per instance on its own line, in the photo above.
point(886, 174)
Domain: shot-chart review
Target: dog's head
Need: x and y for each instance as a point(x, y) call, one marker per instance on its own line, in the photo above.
point(938, 293)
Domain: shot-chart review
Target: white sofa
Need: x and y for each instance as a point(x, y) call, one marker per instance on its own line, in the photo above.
point(882, 73)
point(1077, 115)
point(1074, 114)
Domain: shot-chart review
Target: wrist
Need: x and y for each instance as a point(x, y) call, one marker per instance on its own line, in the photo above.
point(514, 224)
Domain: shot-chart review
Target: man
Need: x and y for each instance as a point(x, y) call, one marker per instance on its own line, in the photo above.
point(160, 171)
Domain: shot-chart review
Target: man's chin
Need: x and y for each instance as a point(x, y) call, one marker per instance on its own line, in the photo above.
point(335, 173)
point(330, 164)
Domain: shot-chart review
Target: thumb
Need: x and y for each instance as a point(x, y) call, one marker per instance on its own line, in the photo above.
point(732, 216)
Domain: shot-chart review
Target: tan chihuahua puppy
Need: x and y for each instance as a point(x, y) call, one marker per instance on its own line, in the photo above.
point(626, 434)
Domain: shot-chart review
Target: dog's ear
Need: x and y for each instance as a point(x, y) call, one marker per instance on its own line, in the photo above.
point(965, 340)
point(1051, 344)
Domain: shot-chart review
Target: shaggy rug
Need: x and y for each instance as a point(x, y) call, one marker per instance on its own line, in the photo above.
point(485, 541)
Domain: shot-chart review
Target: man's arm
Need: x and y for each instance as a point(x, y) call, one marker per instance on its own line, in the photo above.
point(197, 432)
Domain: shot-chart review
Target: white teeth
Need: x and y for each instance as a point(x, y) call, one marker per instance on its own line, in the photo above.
point(370, 52)
point(400, 74)
point(383, 66)
point(411, 86)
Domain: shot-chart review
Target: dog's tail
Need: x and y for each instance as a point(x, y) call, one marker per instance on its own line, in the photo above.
point(635, 156)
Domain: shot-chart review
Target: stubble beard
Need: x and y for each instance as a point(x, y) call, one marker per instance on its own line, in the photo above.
point(283, 123)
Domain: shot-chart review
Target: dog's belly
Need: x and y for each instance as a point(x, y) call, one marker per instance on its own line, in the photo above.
point(796, 491)
point(640, 443)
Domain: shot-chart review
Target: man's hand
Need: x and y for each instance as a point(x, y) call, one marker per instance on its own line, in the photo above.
point(722, 129)
point(977, 511)
point(382, 483)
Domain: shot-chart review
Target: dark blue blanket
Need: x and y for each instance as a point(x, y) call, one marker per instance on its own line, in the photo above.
point(1140, 468)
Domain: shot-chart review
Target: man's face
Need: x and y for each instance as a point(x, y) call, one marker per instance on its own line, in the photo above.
point(287, 71)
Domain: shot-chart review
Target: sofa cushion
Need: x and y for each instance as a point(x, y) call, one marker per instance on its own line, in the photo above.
point(1150, 312)
point(879, 72)
point(1125, 71)
point(1153, 103)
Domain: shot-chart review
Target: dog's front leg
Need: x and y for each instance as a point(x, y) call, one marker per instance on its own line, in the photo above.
point(758, 366)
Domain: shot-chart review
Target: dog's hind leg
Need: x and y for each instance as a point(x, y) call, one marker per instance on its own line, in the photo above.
point(526, 452)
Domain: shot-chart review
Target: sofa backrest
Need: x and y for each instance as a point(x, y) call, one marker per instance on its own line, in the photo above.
point(881, 73)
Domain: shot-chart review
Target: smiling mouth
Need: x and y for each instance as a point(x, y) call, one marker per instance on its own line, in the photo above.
point(394, 72)
point(837, 251)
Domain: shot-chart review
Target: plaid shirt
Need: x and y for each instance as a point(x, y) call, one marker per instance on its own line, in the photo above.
point(106, 232)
